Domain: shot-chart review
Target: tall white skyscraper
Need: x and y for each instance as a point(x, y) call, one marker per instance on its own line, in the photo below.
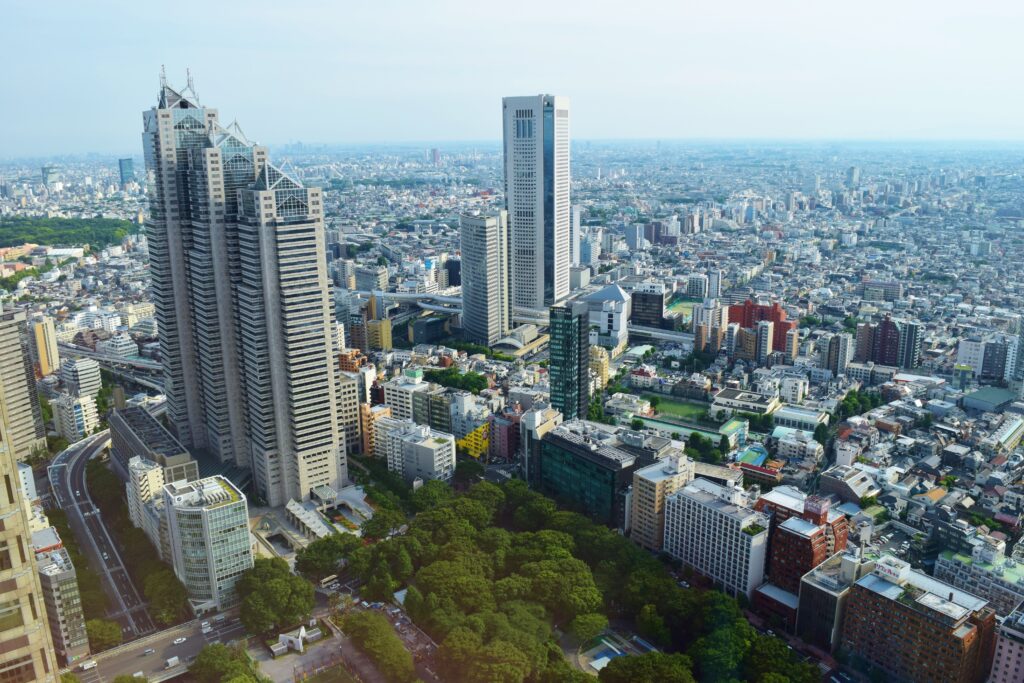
point(485, 291)
point(243, 302)
point(576, 235)
point(536, 131)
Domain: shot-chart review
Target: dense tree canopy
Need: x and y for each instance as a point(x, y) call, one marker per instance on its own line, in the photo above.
point(654, 667)
point(96, 232)
point(272, 597)
point(492, 571)
point(451, 377)
point(103, 634)
point(372, 633)
point(323, 556)
point(217, 663)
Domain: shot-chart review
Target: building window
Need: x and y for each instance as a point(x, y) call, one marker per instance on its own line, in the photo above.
point(10, 616)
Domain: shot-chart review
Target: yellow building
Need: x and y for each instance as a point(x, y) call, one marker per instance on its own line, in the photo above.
point(599, 365)
point(378, 335)
point(45, 347)
point(476, 442)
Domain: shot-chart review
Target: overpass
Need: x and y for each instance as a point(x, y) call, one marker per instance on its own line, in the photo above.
point(135, 361)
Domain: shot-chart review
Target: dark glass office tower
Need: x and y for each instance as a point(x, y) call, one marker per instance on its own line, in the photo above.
point(570, 360)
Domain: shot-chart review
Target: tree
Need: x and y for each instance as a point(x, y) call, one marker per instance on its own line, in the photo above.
point(372, 633)
point(654, 401)
point(167, 597)
point(468, 471)
point(273, 597)
point(636, 424)
point(652, 626)
point(383, 523)
point(428, 496)
point(821, 434)
point(867, 501)
point(723, 445)
point(323, 556)
point(103, 634)
point(653, 667)
point(217, 663)
point(587, 626)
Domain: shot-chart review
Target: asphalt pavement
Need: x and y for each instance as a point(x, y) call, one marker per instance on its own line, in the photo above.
point(134, 658)
point(67, 478)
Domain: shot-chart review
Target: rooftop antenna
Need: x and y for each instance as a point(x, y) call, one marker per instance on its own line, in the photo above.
point(163, 76)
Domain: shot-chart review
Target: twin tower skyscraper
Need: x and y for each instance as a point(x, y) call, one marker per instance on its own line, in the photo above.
point(519, 260)
point(248, 340)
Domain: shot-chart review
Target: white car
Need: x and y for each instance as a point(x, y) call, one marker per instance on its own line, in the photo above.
point(179, 641)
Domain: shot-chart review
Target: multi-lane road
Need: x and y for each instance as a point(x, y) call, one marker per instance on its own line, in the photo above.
point(136, 657)
point(67, 479)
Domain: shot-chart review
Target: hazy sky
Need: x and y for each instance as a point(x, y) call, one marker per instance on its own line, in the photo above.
point(76, 74)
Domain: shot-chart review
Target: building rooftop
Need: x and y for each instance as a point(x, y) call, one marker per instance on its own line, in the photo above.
point(894, 579)
point(209, 493)
point(151, 432)
point(668, 468)
point(800, 526)
point(1008, 569)
point(54, 562)
point(596, 445)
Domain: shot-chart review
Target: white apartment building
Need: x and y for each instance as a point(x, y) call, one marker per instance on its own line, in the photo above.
point(75, 416)
point(398, 392)
point(536, 142)
point(713, 529)
point(81, 376)
point(415, 451)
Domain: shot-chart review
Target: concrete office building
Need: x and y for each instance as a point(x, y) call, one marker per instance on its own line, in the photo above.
point(74, 416)
point(651, 486)
point(839, 353)
point(945, 635)
point(486, 314)
point(535, 423)
point(63, 602)
point(26, 647)
point(823, 594)
point(569, 368)
point(536, 143)
point(713, 529)
point(19, 409)
point(1008, 664)
point(348, 410)
point(81, 376)
point(586, 467)
point(987, 572)
point(208, 532)
point(45, 353)
point(134, 432)
point(243, 302)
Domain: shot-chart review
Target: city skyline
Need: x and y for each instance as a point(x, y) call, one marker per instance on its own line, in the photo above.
point(742, 71)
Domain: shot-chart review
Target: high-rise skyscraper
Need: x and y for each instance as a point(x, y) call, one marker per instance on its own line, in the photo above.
point(576, 235)
point(536, 132)
point(127, 169)
point(885, 348)
point(486, 317)
point(714, 283)
point(26, 649)
point(910, 344)
point(569, 371)
point(243, 302)
point(20, 407)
